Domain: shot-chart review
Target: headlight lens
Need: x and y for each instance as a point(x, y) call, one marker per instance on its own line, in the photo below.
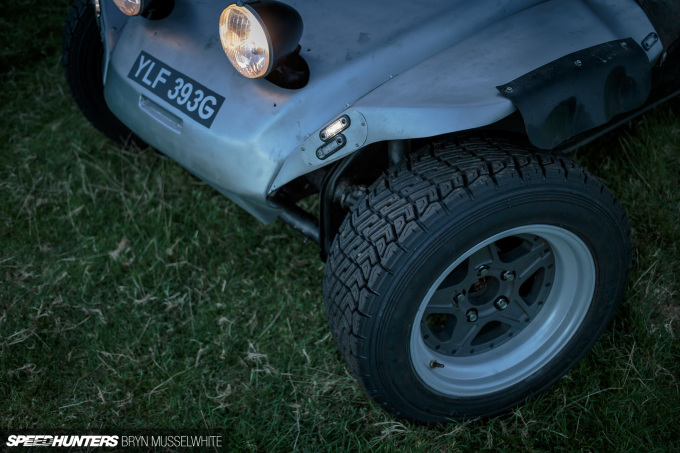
point(129, 7)
point(245, 41)
point(151, 9)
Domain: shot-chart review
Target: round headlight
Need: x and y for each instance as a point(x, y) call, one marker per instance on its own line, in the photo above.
point(151, 9)
point(129, 7)
point(258, 36)
point(245, 41)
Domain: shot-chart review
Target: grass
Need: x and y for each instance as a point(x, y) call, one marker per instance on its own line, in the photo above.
point(134, 296)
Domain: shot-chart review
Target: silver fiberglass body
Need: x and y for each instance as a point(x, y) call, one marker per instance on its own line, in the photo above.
point(398, 69)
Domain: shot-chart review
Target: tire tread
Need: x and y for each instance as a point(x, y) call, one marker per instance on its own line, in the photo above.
point(380, 229)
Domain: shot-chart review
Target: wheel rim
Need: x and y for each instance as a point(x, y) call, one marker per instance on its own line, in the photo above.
point(502, 311)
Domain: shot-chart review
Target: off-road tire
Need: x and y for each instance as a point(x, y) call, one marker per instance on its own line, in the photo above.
point(82, 54)
point(421, 217)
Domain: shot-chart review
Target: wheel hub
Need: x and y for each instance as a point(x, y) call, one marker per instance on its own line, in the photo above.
point(495, 293)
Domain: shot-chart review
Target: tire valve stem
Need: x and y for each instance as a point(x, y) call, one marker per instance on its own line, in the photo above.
point(435, 364)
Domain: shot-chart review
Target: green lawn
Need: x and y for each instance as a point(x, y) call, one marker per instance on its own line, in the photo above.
point(132, 295)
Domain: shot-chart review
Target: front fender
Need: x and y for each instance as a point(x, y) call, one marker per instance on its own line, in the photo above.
point(455, 89)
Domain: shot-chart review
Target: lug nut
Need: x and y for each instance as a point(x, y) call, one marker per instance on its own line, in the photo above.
point(501, 303)
point(459, 298)
point(483, 271)
point(508, 276)
point(471, 315)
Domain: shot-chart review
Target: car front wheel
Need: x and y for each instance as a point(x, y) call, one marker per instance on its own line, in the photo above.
point(474, 276)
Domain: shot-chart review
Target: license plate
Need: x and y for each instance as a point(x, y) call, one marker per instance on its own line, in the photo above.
point(179, 90)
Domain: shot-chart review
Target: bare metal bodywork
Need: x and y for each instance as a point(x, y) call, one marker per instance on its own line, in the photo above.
point(398, 69)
